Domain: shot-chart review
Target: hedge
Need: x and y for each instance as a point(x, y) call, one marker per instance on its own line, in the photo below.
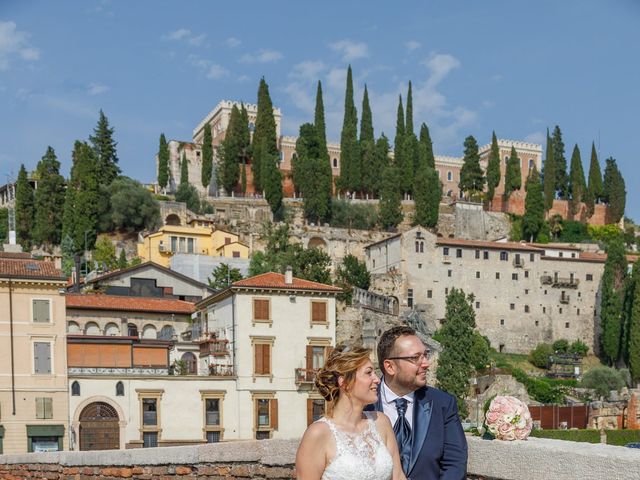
point(614, 437)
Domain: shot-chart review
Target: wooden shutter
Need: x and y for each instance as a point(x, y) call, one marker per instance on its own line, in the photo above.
point(39, 408)
point(48, 407)
point(273, 413)
point(257, 358)
point(266, 359)
point(261, 309)
point(41, 311)
point(319, 312)
point(42, 357)
point(309, 357)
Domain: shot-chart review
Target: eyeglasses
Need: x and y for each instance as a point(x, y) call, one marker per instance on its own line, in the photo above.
point(415, 359)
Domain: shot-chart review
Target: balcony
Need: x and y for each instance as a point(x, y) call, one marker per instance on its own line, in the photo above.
point(214, 346)
point(564, 298)
point(164, 248)
point(305, 376)
point(546, 279)
point(221, 370)
point(565, 282)
point(518, 263)
point(446, 259)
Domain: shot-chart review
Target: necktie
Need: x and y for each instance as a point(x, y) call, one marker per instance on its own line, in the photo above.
point(403, 434)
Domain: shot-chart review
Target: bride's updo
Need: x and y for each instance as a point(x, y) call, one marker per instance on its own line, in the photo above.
point(343, 361)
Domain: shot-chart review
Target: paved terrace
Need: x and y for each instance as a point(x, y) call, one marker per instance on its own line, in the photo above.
point(535, 458)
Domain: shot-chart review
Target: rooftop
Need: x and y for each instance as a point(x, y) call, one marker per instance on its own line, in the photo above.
point(28, 268)
point(484, 244)
point(277, 281)
point(129, 304)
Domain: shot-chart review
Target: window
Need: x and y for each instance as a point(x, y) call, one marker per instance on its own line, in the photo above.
point(526, 274)
point(429, 293)
point(589, 277)
point(504, 256)
point(514, 276)
point(119, 389)
point(446, 291)
point(44, 408)
point(578, 311)
point(544, 309)
point(410, 297)
point(213, 436)
point(566, 325)
point(149, 439)
point(150, 411)
point(477, 304)
point(190, 245)
point(212, 411)
point(458, 253)
point(315, 409)
point(573, 255)
point(445, 250)
point(266, 416)
point(190, 363)
point(449, 176)
point(41, 313)
point(532, 257)
point(316, 355)
point(477, 274)
point(502, 321)
point(449, 272)
point(560, 310)
point(536, 323)
point(560, 254)
point(477, 254)
point(526, 309)
point(497, 275)
point(545, 292)
point(75, 389)
point(261, 310)
point(42, 358)
point(262, 356)
point(512, 306)
point(419, 265)
point(485, 255)
point(530, 164)
point(319, 312)
point(182, 244)
point(335, 163)
point(227, 240)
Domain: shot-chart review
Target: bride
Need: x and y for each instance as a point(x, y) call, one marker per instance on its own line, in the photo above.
point(347, 442)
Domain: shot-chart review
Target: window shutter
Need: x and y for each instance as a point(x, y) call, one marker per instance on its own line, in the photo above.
point(309, 411)
point(273, 413)
point(266, 359)
point(48, 407)
point(309, 357)
point(318, 312)
point(257, 353)
point(261, 309)
point(39, 408)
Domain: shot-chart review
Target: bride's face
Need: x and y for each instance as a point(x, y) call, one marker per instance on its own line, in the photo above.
point(365, 385)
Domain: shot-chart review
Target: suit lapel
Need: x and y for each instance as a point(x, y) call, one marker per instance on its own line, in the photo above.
point(421, 420)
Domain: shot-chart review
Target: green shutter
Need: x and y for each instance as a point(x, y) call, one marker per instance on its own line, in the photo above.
point(41, 311)
point(45, 430)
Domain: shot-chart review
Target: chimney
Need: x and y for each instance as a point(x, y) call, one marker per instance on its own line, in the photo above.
point(288, 275)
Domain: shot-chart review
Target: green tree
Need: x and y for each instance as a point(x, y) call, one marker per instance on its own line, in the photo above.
point(479, 354)
point(163, 162)
point(352, 273)
point(68, 250)
point(457, 340)
point(49, 201)
point(132, 207)
point(561, 346)
point(611, 303)
point(539, 356)
point(4, 225)
point(264, 147)
point(560, 164)
point(425, 141)
point(105, 254)
point(122, 260)
point(230, 151)
point(533, 220)
point(471, 176)
point(367, 147)
point(24, 209)
point(104, 147)
point(577, 185)
point(578, 347)
point(594, 189)
point(207, 157)
point(188, 194)
point(223, 276)
point(549, 175)
point(401, 159)
point(615, 193)
point(603, 380)
point(427, 193)
point(184, 169)
point(513, 174)
point(390, 204)
point(493, 168)
point(350, 175)
point(633, 336)
point(380, 162)
point(83, 203)
point(319, 123)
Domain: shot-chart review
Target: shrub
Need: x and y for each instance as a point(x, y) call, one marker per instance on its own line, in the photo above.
point(561, 346)
point(539, 356)
point(579, 348)
point(539, 389)
point(360, 216)
point(603, 380)
point(614, 437)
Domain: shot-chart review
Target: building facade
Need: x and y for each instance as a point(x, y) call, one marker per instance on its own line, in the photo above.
point(33, 370)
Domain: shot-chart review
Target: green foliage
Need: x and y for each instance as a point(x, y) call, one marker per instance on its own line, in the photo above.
point(401, 159)
point(319, 123)
point(380, 163)
point(122, 260)
point(615, 193)
point(188, 194)
point(390, 205)
point(562, 181)
point(595, 187)
point(359, 216)
point(135, 261)
point(577, 184)
point(264, 148)
point(25, 210)
point(533, 219)
point(223, 276)
point(539, 356)
point(427, 195)
point(233, 150)
point(163, 162)
point(350, 173)
point(493, 168)
point(4, 225)
point(539, 389)
point(105, 254)
point(49, 201)
point(471, 176)
point(367, 147)
point(561, 346)
point(604, 233)
point(408, 128)
point(633, 327)
point(352, 273)
point(603, 380)
point(614, 437)
point(184, 169)
point(515, 234)
point(549, 175)
point(578, 347)
point(480, 351)
point(207, 157)
point(574, 232)
point(427, 144)
point(613, 281)
point(366, 122)
point(104, 147)
point(68, 250)
point(513, 174)
point(457, 339)
point(132, 207)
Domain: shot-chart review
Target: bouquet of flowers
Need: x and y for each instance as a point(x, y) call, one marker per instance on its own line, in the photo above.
point(508, 419)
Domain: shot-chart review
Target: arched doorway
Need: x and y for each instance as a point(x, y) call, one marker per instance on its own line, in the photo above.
point(99, 427)
point(172, 219)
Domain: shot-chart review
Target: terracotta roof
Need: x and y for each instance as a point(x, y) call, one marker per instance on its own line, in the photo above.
point(483, 244)
point(29, 268)
point(276, 281)
point(15, 255)
point(130, 304)
point(557, 245)
point(383, 240)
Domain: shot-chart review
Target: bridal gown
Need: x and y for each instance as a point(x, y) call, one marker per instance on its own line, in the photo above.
point(359, 456)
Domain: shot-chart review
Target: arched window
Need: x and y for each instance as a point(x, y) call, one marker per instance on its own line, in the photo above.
point(149, 331)
point(335, 163)
point(92, 328)
point(191, 363)
point(75, 389)
point(73, 327)
point(506, 160)
point(132, 330)
point(166, 333)
point(112, 330)
point(119, 389)
point(449, 176)
point(530, 164)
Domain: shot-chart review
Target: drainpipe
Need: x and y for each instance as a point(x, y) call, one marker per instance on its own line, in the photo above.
point(233, 331)
point(13, 373)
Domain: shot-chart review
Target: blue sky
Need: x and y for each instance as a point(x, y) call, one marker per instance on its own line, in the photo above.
point(515, 67)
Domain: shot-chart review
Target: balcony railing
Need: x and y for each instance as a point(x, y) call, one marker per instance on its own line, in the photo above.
point(305, 376)
point(446, 259)
point(221, 370)
point(215, 347)
point(546, 279)
point(564, 298)
point(518, 263)
point(565, 282)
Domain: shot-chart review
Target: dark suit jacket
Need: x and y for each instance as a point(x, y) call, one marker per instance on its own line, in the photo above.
point(439, 447)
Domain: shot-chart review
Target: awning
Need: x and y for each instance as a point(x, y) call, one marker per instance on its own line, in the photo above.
point(45, 430)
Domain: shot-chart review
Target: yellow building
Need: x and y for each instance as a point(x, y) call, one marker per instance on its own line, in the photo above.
point(34, 405)
point(158, 247)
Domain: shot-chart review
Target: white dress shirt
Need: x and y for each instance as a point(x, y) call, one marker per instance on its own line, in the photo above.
point(389, 406)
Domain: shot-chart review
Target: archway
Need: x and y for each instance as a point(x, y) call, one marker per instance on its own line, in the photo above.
point(317, 242)
point(172, 219)
point(99, 427)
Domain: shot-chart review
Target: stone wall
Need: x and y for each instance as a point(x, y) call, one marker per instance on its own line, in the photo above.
point(274, 459)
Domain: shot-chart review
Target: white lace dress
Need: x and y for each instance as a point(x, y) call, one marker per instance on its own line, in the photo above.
point(360, 456)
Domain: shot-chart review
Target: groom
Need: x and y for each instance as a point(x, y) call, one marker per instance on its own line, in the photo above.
point(425, 420)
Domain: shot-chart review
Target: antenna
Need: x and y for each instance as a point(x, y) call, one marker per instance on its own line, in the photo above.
point(11, 204)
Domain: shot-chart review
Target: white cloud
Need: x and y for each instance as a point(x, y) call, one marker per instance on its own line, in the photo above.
point(14, 43)
point(184, 34)
point(243, 78)
point(97, 89)
point(350, 50)
point(216, 71)
point(309, 70)
point(179, 34)
point(536, 137)
point(211, 70)
point(262, 56)
point(412, 45)
point(440, 66)
point(233, 42)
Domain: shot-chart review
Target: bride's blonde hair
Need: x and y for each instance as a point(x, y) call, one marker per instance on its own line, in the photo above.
point(343, 362)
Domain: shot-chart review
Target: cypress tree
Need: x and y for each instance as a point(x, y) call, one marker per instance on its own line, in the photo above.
point(408, 129)
point(366, 122)
point(104, 147)
point(549, 175)
point(577, 186)
point(595, 176)
point(122, 260)
point(207, 157)
point(471, 176)
point(560, 162)
point(367, 146)
point(49, 200)
point(633, 345)
point(613, 280)
point(319, 123)
point(427, 193)
point(390, 204)
point(425, 141)
point(184, 169)
point(381, 160)
point(402, 161)
point(615, 193)
point(411, 150)
point(264, 147)
point(350, 174)
point(230, 152)
point(243, 178)
point(513, 174)
point(533, 219)
point(24, 209)
point(314, 175)
point(493, 168)
point(163, 162)
point(245, 148)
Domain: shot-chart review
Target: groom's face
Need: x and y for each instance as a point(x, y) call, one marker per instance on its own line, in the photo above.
point(408, 374)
